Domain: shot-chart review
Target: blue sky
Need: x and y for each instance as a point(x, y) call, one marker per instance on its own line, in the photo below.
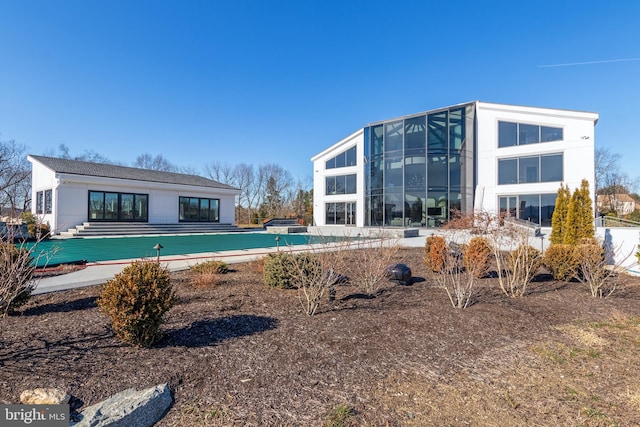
point(279, 81)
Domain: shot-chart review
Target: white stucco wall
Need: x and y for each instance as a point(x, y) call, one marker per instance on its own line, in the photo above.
point(42, 179)
point(320, 173)
point(624, 245)
point(577, 148)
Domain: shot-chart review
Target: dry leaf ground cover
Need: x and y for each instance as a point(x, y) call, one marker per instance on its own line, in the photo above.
point(241, 353)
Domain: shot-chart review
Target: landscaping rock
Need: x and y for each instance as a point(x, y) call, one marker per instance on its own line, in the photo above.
point(44, 396)
point(129, 408)
point(398, 273)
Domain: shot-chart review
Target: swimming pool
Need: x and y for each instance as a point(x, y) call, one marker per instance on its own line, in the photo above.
point(67, 251)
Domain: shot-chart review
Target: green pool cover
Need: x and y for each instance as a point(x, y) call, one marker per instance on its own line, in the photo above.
point(67, 251)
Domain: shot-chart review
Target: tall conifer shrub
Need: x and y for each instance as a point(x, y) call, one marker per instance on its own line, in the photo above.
point(579, 221)
point(559, 217)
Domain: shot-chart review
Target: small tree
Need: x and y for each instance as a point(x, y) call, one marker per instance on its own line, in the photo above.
point(579, 221)
point(559, 217)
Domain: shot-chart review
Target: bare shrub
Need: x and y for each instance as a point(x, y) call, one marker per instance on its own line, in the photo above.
point(16, 277)
point(17, 266)
point(369, 268)
point(318, 270)
point(454, 277)
point(206, 279)
point(516, 261)
point(594, 272)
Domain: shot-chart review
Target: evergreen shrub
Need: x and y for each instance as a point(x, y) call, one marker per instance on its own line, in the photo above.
point(435, 250)
point(279, 270)
point(477, 256)
point(216, 267)
point(562, 261)
point(136, 301)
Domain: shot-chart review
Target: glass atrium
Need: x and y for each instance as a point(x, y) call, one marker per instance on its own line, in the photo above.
point(419, 169)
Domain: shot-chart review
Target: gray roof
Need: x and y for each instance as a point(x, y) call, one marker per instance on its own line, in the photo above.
point(77, 167)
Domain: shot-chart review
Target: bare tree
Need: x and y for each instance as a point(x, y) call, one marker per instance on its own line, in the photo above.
point(605, 162)
point(87, 156)
point(156, 163)
point(275, 181)
point(15, 175)
point(222, 172)
point(610, 181)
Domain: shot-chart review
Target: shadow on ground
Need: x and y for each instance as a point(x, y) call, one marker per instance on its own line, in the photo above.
point(203, 333)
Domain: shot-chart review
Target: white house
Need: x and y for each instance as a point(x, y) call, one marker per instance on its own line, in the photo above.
point(66, 193)
point(419, 170)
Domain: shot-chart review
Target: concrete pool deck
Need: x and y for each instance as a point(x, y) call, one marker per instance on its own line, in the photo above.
point(100, 272)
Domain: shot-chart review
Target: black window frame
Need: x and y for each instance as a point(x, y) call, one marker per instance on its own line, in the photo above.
point(512, 134)
point(137, 215)
point(198, 216)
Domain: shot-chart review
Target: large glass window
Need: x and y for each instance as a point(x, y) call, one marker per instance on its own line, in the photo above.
point(393, 136)
point(340, 213)
point(548, 134)
point(126, 207)
point(340, 184)
point(529, 208)
point(40, 202)
point(507, 171)
point(198, 209)
point(528, 169)
point(346, 158)
point(510, 134)
point(415, 134)
point(551, 168)
point(417, 167)
point(377, 139)
point(456, 129)
point(507, 134)
point(109, 206)
point(522, 170)
point(528, 134)
point(350, 184)
point(437, 170)
point(437, 134)
point(535, 208)
point(48, 201)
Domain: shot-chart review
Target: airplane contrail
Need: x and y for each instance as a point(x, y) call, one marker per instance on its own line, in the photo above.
point(589, 63)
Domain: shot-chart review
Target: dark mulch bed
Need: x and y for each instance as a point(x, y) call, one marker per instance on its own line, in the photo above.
point(241, 353)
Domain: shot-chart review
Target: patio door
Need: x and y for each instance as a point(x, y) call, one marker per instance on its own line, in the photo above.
point(351, 213)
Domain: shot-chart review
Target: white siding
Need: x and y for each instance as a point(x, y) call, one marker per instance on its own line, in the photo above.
point(71, 193)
